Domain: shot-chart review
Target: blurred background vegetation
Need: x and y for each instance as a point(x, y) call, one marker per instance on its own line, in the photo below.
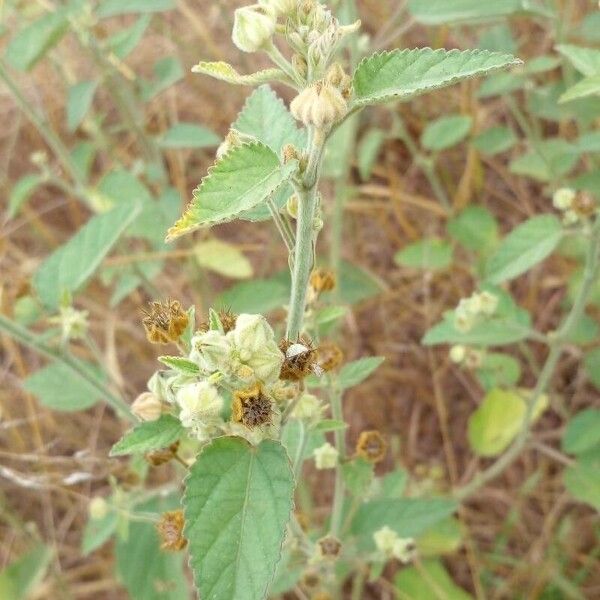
point(105, 132)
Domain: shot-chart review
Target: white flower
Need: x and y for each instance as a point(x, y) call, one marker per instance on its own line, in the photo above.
point(319, 105)
point(255, 347)
point(212, 351)
point(147, 407)
point(253, 27)
point(385, 538)
point(563, 198)
point(488, 303)
point(199, 402)
point(326, 456)
point(390, 544)
point(308, 408)
point(97, 508)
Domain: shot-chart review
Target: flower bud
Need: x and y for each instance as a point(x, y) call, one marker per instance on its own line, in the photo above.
point(563, 198)
point(308, 408)
point(253, 27)
point(200, 402)
point(211, 351)
point(335, 75)
point(281, 7)
point(473, 358)
point(326, 456)
point(299, 65)
point(97, 508)
point(488, 303)
point(384, 539)
point(320, 105)
point(289, 152)
point(147, 407)
point(570, 217)
point(404, 550)
point(457, 354)
point(292, 206)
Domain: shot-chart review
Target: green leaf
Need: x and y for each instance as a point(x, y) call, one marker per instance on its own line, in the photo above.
point(79, 101)
point(181, 364)
point(266, 118)
point(592, 366)
point(357, 284)
point(31, 43)
point(403, 74)
point(495, 140)
point(392, 485)
point(98, 531)
point(582, 432)
point(225, 72)
point(499, 370)
point(509, 324)
point(408, 517)
point(167, 72)
point(258, 295)
point(156, 215)
point(442, 12)
point(446, 132)
point(188, 135)
point(19, 580)
point(71, 265)
point(589, 86)
point(585, 60)
point(111, 8)
point(551, 159)
point(21, 192)
point(501, 84)
point(475, 228)
point(223, 258)
point(149, 436)
point(147, 571)
point(358, 475)
point(243, 178)
point(355, 372)
point(327, 425)
point(582, 481)
point(525, 246)
point(498, 420)
point(123, 42)
point(444, 538)
point(237, 503)
point(430, 254)
point(368, 151)
point(428, 582)
point(57, 387)
point(329, 314)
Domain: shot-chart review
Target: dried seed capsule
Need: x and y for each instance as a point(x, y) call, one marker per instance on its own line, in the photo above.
point(161, 457)
point(584, 205)
point(164, 322)
point(252, 407)
point(329, 546)
point(322, 280)
point(371, 446)
point(170, 531)
point(329, 356)
point(300, 360)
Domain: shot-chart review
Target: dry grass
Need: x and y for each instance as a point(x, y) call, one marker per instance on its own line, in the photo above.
point(518, 529)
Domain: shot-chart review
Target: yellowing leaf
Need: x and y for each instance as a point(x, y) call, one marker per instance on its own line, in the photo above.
point(225, 72)
point(223, 258)
point(499, 418)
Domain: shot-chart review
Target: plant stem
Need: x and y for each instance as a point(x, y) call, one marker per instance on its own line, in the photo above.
point(340, 444)
point(28, 339)
point(556, 344)
point(305, 234)
point(282, 226)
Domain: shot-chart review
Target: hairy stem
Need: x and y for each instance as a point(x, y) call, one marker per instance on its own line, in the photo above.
point(556, 343)
point(305, 235)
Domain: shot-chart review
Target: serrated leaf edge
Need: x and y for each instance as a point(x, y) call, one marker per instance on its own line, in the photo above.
point(174, 232)
point(358, 103)
point(292, 507)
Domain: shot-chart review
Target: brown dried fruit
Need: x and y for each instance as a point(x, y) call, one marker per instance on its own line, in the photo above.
point(170, 531)
point(164, 322)
point(161, 457)
point(252, 407)
point(300, 359)
point(371, 446)
point(329, 546)
point(322, 280)
point(329, 356)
